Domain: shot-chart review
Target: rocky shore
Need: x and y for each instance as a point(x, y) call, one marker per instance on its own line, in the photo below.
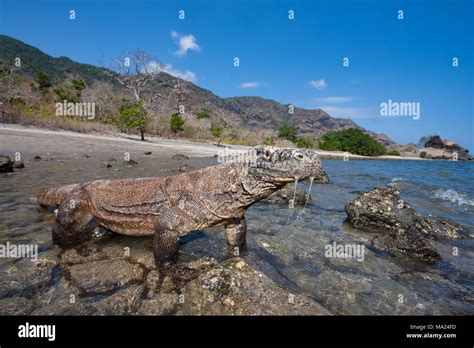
point(115, 275)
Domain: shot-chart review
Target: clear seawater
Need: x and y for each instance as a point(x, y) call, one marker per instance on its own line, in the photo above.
point(289, 244)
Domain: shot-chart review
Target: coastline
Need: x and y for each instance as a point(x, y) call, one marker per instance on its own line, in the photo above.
point(190, 148)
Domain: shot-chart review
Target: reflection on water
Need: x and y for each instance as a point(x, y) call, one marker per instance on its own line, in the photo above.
point(292, 240)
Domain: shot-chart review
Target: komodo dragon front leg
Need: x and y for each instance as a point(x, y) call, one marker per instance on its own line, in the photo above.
point(73, 216)
point(236, 232)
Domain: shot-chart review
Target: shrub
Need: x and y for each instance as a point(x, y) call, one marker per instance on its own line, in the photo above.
point(268, 141)
point(65, 95)
point(423, 154)
point(79, 85)
point(176, 123)
point(352, 140)
point(305, 142)
point(203, 114)
point(392, 153)
point(43, 81)
point(287, 132)
point(216, 131)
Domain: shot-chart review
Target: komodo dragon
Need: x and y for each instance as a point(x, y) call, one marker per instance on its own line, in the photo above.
point(170, 207)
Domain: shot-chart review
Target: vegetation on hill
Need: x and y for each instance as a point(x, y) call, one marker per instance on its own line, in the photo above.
point(392, 153)
point(133, 115)
point(351, 140)
point(203, 114)
point(176, 123)
point(287, 132)
point(31, 89)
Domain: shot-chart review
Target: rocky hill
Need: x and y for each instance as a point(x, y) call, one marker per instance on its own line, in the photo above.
point(237, 114)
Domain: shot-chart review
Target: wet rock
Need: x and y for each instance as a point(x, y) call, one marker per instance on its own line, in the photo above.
point(37, 158)
point(180, 156)
point(130, 163)
point(164, 304)
point(106, 275)
point(147, 153)
point(6, 164)
point(24, 278)
point(185, 168)
point(18, 165)
point(403, 229)
point(235, 288)
point(15, 306)
point(124, 301)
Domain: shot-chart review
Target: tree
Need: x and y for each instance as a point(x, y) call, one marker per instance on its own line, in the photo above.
point(287, 132)
point(79, 85)
point(134, 72)
point(12, 90)
point(216, 131)
point(352, 140)
point(43, 81)
point(134, 116)
point(176, 123)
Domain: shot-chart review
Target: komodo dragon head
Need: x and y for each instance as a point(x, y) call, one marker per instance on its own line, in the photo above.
point(285, 165)
point(280, 166)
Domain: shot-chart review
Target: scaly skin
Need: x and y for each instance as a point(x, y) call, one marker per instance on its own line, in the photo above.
point(170, 207)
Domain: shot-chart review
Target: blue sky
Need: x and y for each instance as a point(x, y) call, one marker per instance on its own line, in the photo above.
point(295, 61)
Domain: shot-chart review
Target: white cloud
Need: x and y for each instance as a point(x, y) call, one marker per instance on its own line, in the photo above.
point(335, 99)
point(251, 84)
point(318, 84)
point(185, 42)
point(156, 67)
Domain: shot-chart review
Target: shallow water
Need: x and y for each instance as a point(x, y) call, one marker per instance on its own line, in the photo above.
point(293, 242)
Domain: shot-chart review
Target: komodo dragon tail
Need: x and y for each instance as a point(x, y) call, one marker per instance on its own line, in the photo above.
point(53, 196)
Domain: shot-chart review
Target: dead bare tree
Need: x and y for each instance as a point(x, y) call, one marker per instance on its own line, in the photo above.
point(135, 71)
point(12, 88)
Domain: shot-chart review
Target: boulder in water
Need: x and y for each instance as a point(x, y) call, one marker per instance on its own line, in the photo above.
point(404, 229)
point(6, 164)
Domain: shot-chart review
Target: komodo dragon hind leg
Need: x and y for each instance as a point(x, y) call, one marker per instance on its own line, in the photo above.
point(165, 246)
point(73, 216)
point(236, 232)
point(168, 229)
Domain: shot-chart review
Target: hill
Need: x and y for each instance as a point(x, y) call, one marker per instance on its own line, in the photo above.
point(250, 115)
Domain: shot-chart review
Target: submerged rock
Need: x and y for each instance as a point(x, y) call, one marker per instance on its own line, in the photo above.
point(104, 275)
point(6, 164)
point(185, 168)
point(404, 229)
point(285, 195)
point(107, 283)
point(180, 156)
point(130, 163)
point(18, 165)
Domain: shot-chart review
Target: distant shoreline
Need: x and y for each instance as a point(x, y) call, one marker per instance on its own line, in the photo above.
point(195, 149)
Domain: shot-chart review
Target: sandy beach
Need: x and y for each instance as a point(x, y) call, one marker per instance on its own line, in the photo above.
point(28, 140)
